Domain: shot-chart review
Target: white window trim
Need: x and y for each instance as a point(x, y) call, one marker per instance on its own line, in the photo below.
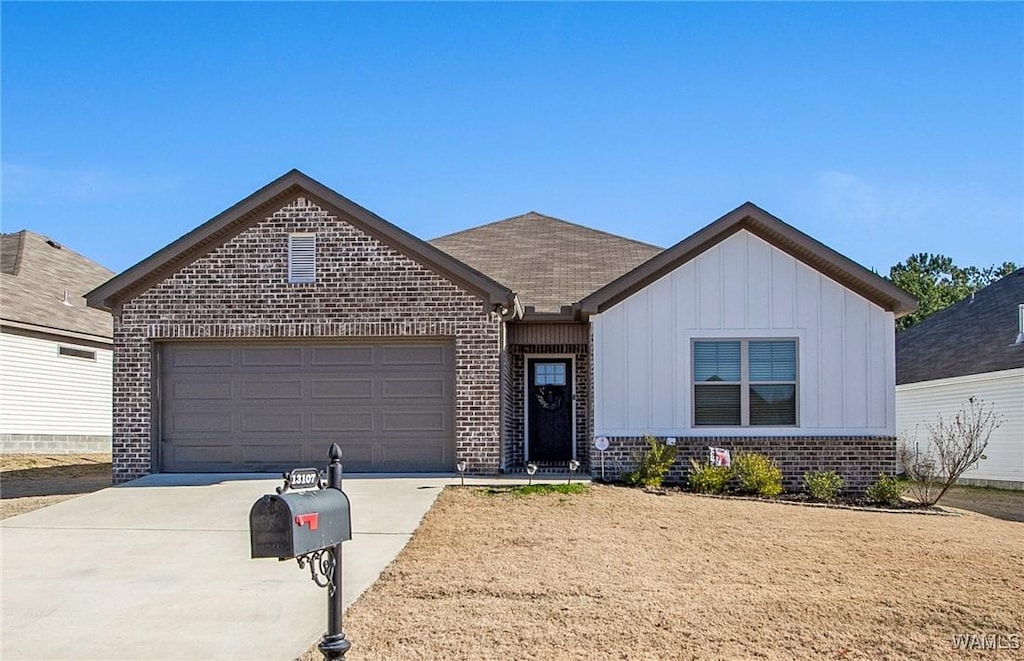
point(745, 381)
point(526, 396)
point(292, 277)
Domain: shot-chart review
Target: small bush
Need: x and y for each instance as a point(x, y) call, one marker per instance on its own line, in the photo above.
point(823, 485)
point(651, 464)
point(886, 489)
point(757, 474)
point(705, 478)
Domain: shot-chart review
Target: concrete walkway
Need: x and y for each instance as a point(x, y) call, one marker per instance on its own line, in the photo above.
point(159, 569)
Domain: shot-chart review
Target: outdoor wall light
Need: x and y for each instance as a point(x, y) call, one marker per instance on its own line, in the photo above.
point(530, 470)
point(573, 466)
point(461, 467)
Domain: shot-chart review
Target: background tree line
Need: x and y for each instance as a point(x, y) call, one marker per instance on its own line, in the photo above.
point(937, 282)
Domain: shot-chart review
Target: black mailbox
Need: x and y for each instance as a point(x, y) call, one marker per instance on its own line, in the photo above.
point(296, 523)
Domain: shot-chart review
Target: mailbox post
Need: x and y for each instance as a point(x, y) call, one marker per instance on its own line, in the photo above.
point(334, 645)
point(309, 524)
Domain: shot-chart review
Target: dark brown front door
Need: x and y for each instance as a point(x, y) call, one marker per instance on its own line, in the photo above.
point(549, 408)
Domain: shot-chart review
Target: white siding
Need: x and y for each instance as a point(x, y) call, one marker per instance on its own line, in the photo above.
point(920, 403)
point(744, 287)
point(42, 392)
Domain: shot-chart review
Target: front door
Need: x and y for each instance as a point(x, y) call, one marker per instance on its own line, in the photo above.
point(549, 408)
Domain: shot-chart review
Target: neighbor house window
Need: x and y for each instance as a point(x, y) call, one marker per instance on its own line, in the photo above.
point(741, 383)
point(302, 258)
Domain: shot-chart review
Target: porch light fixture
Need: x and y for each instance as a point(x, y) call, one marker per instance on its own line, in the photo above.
point(573, 467)
point(530, 470)
point(461, 467)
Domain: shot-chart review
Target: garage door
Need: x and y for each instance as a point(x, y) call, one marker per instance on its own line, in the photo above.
point(270, 407)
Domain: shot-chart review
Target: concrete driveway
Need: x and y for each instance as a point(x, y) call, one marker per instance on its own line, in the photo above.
point(159, 568)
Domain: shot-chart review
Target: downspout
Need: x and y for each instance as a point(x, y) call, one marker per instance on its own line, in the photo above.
point(504, 314)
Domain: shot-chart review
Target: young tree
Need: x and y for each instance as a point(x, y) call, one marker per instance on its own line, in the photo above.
point(953, 447)
point(937, 282)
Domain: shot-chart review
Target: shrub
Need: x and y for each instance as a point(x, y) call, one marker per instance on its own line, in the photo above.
point(705, 478)
point(823, 485)
point(886, 489)
point(651, 464)
point(757, 474)
point(953, 447)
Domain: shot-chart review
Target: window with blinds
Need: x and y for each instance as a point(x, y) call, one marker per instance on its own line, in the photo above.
point(301, 258)
point(744, 383)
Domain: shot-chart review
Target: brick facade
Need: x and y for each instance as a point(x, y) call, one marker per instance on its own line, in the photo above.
point(858, 459)
point(363, 288)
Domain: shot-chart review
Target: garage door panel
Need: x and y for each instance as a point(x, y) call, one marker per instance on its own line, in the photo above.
point(350, 356)
point(271, 389)
point(278, 456)
point(271, 421)
point(272, 357)
point(342, 388)
point(215, 456)
point(260, 406)
point(343, 421)
point(397, 387)
point(211, 422)
point(355, 456)
point(413, 355)
point(202, 357)
point(400, 456)
point(413, 421)
point(201, 390)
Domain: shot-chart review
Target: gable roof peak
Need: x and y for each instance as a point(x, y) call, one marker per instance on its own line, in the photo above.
point(277, 193)
point(752, 218)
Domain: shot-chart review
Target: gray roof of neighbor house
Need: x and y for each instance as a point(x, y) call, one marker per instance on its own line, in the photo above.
point(548, 262)
point(35, 272)
point(973, 336)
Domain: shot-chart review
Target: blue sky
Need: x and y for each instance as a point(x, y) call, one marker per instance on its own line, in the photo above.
point(879, 129)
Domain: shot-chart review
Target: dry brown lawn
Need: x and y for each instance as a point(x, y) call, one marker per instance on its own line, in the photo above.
point(618, 573)
point(31, 481)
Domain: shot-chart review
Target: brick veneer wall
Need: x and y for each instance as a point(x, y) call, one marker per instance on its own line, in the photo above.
point(516, 443)
point(858, 459)
point(364, 287)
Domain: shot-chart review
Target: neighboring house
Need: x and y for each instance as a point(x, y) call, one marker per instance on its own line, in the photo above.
point(974, 348)
point(55, 352)
point(297, 318)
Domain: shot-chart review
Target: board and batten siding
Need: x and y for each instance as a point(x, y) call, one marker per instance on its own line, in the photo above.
point(918, 404)
point(744, 287)
point(43, 393)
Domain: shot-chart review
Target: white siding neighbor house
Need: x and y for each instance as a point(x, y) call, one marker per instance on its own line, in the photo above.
point(974, 348)
point(55, 352)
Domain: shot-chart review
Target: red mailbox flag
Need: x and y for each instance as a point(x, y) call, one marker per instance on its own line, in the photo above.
point(313, 519)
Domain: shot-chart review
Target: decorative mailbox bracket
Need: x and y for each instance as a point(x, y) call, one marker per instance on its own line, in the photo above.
point(308, 519)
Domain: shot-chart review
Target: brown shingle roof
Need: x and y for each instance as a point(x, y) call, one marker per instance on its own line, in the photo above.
point(548, 262)
point(973, 336)
point(34, 274)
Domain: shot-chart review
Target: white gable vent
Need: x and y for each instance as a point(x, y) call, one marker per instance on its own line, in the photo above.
point(302, 257)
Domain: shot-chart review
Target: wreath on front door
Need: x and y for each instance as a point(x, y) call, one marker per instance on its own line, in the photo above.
point(548, 398)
